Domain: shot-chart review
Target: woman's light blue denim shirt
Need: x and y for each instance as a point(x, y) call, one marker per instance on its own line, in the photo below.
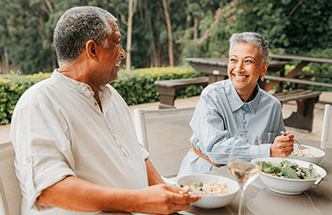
point(220, 115)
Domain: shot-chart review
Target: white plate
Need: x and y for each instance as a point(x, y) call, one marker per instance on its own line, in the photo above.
point(289, 186)
point(316, 152)
point(210, 201)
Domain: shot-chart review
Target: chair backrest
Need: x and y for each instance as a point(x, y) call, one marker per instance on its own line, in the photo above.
point(326, 137)
point(165, 134)
point(10, 191)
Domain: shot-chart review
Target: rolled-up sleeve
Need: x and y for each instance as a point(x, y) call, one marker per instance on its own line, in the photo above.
point(145, 153)
point(42, 154)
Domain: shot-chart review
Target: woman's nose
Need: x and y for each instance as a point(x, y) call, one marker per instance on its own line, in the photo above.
point(239, 66)
point(122, 53)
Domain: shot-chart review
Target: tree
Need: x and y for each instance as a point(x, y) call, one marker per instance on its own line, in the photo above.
point(169, 30)
point(130, 25)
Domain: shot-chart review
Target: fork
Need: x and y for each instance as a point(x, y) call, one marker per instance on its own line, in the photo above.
point(299, 145)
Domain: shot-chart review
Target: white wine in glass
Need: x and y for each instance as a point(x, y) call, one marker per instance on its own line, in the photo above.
point(242, 171)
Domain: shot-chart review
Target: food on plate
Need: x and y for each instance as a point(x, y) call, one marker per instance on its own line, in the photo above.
point(211, 188)
point(303, 154)
point(287, 169)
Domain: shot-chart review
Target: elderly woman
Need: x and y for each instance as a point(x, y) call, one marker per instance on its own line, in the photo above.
point(237, 106)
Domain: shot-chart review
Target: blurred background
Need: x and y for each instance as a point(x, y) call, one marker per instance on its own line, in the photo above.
point(160, 33)
point(158, 36)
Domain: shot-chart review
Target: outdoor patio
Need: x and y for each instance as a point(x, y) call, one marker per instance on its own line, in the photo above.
point(287, 109)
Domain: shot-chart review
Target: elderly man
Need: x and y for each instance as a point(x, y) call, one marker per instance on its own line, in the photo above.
point(237, 106)
point(75, 142)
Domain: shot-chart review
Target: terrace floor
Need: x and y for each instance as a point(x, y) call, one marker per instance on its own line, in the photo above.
point(287, 109)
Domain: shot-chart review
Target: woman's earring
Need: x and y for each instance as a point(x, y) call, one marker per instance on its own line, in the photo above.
point(262, 78)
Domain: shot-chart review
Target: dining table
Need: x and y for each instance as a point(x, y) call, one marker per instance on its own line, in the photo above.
point(303, 61)
point(259, 200)
point(217, 67)
point(217, 70)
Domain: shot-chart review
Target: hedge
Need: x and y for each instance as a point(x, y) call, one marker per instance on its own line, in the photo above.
point(11, 89)
point(136, 86)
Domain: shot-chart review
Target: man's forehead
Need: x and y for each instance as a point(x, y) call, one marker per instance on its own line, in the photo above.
point(114, 25)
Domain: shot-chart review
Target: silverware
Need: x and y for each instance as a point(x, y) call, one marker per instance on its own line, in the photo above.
point(299, 145)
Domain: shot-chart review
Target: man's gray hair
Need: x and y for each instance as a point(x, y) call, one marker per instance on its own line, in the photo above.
point(254, 39)
point(76, 27)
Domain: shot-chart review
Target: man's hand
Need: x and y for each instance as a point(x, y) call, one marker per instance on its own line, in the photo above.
point(163, 199)
point(282, 146)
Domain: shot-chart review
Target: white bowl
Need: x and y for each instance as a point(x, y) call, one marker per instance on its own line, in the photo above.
point(286, 185)
point(211, 201)
point(316, 152)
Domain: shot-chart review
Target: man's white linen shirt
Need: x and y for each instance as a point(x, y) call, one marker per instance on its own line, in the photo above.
point(220, 115)
point(58, 129)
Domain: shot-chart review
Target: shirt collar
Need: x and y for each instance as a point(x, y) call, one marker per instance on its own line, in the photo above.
point(80, 87)
point(235, 101)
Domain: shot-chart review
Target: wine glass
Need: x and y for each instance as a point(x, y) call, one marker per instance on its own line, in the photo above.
point(241, 169)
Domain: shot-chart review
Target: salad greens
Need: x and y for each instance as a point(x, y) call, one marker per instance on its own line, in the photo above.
point(288, 169)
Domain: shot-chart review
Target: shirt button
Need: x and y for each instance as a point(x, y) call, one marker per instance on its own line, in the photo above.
point(28, 160)
point(96, 103)
point(244, 122)
point(245, 130)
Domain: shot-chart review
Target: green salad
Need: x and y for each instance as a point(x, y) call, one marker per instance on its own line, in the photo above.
point(287, 169)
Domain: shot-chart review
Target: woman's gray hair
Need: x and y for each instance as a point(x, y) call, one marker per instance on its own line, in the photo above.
point(76, 27)
point(254, 39)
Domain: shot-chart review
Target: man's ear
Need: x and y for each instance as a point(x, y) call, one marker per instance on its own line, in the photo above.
point(264, 70)
point(91, 49)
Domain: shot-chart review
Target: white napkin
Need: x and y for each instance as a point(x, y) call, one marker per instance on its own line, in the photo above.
point(326, 138)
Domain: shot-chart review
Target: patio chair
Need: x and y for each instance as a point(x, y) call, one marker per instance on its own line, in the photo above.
point(165, 133)
point(326, 137)
point(10, 192)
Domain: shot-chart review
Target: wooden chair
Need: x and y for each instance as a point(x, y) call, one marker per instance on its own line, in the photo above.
point(165, 133)
point(10, 192)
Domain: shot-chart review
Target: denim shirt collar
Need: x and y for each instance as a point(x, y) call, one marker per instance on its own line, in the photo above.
point(235, 101)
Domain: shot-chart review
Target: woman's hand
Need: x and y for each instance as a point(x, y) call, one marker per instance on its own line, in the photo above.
point(282, 146)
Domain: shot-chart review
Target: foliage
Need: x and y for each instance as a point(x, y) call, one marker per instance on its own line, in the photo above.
point(26, 30)
point(294, 27)
point(289, 26)
point(11, 89)
point(135, 87)
point(325, 68)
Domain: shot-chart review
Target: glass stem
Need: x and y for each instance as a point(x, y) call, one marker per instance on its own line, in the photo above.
point(241, 200)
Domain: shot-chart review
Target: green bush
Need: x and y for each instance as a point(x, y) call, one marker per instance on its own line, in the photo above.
point(136, 87)
point(11, 89)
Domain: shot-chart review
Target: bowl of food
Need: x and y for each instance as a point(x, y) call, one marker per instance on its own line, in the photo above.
point(216, 191)
point(311, 155)
point(289, 176)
